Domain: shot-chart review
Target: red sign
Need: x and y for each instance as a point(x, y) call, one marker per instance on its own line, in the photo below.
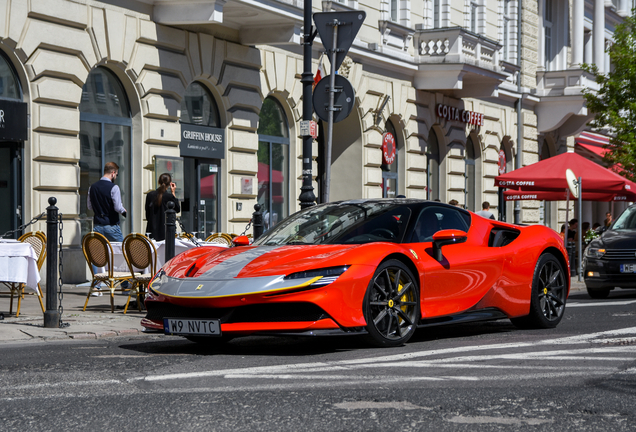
point(502, 162)
point(456, 114)
point(313, 129)
point(388, 148)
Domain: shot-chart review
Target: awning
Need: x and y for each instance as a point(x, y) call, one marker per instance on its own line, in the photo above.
point(592, 143)
point(516, 195)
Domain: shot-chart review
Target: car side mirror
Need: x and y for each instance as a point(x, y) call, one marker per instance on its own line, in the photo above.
point(444, 238)
point(241, 241)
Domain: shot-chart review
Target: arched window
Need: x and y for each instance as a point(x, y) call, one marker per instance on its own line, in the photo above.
point(390, 171)
point(9, 83)
point(198, 107)
point(432, 166)
point(471, 179)
point(105, 136)
point(273, 163)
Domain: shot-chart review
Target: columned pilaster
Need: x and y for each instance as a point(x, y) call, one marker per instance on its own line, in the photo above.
point(598, 35)
point(577, 32)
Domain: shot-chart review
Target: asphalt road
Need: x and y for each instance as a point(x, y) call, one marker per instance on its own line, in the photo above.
point(580, 376)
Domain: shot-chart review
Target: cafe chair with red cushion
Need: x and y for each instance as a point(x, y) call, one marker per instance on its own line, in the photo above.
point(99, 253)
point(140, 253)
point(37, 240)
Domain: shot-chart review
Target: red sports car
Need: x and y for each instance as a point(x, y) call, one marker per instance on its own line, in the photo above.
point(379, 268)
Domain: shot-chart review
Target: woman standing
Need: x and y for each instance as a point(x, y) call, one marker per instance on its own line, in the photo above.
point(157, 204)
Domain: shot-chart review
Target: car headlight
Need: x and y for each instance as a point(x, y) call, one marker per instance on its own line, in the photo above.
point(594, 252)
point(327, 275)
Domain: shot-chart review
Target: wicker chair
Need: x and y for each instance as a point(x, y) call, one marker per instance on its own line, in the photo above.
point(140, 253)
point(99, 253)
point(220, 238)
point(37, 240)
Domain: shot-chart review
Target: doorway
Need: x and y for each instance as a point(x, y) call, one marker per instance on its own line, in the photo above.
point(10, 187)
point(200, 210)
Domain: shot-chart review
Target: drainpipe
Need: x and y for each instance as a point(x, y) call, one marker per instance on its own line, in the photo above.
point(518, 107)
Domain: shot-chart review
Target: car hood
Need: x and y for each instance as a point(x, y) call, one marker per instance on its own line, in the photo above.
point(617, 239)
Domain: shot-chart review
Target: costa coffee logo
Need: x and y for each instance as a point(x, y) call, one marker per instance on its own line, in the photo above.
point(456, 114)
point(388, 148)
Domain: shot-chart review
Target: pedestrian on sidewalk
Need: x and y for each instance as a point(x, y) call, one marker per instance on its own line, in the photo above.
point(157, 204)
point(485, 211)
point(104, 198)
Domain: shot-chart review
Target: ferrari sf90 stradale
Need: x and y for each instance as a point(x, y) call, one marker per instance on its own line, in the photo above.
point(379, 268)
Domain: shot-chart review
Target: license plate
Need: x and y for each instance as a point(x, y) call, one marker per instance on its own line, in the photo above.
point(201, 327)
point(628, 268)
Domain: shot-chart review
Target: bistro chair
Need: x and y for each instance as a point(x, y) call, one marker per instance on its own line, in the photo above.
point(140, 253)
point(99, 253)
point(37, 240)
point(220, 238)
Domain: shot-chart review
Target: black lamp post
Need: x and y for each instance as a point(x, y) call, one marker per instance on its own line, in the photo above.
point(307, 197)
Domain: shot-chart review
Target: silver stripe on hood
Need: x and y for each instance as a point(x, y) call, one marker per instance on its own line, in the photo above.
point(231, 267)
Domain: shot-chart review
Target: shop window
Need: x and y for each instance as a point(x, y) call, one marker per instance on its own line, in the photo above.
point(470, 175)
point(198, 107)
point(432, 166)
point(273, 163)
point(105, 136)
point(390, 171)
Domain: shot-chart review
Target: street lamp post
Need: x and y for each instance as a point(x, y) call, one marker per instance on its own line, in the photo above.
point(307, 197)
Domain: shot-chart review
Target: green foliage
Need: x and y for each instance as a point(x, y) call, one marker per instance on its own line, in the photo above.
point(614, 105)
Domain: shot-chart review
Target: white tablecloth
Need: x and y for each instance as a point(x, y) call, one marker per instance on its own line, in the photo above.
point(180, 245)
point(19, 263)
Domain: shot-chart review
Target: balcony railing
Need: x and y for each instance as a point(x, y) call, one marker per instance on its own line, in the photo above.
point(456, 45)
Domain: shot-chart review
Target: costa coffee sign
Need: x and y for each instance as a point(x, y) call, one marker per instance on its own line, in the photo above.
point(456, 114)
point(388, 148)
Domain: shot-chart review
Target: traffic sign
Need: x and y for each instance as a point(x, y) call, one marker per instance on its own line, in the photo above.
point(344, 98)
point(348, 23)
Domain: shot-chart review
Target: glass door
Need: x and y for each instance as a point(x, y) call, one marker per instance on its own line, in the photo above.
point(10, 190)
point(200, 208)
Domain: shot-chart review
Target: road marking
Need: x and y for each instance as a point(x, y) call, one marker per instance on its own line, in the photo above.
point(609, 303)
point(497, 420)
point(398, 405)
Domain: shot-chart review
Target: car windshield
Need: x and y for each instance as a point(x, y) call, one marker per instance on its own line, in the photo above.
point(350, 222)
point(627, 220)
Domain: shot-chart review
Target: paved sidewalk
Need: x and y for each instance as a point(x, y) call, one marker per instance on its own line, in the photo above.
point(96, 322)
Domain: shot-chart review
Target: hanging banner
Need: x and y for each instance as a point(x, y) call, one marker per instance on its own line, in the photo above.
point(502, 162)
point(388, 148)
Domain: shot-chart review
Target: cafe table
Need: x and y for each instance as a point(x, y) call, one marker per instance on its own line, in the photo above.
point(18, 268)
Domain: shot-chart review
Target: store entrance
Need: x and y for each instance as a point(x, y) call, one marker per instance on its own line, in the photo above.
point(200, 208)
point(10, 188)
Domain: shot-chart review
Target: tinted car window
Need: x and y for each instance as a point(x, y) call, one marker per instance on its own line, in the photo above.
point(433, 219)
point(627, 220)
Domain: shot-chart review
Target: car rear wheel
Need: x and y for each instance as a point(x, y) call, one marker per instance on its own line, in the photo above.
point(549, 292)
point(392, 305)
point(598, 293)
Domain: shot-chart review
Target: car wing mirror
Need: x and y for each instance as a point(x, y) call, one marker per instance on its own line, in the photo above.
point(241, 241)
point(445, 238)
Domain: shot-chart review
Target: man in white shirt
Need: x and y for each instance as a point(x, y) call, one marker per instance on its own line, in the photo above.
point(485, 211)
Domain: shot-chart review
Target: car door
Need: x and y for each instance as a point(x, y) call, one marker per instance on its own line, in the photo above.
point(467, 270)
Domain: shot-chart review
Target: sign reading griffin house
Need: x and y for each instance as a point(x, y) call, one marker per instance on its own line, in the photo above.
point(456, 114)
point(13, 121)
point(202, 141)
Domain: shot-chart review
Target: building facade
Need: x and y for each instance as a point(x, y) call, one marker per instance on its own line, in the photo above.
point(210, 91)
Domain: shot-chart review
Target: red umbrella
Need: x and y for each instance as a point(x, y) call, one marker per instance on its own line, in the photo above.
point(208, 189)
point(549, 175)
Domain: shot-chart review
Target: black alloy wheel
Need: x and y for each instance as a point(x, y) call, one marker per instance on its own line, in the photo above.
point(549, 293)
point(392, 305)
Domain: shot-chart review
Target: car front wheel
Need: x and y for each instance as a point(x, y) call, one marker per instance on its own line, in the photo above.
point(392, 305)
point(549, 292)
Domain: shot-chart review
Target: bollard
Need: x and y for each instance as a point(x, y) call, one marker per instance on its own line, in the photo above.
point(171, 231)
point(257, 222)
point(51, 315)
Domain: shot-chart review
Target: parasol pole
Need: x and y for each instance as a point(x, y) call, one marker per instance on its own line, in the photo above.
point(580, 266)
point(567, 211)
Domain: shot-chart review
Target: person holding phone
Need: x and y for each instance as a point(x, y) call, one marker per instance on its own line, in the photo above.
point(157, 204)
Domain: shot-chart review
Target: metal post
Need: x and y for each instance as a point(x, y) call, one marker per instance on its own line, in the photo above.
point(52, 314)
point(581, 234)
point(332, 92)
point(307, 197)
point(519, 107)
point(257, 221)
point(171, 231)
